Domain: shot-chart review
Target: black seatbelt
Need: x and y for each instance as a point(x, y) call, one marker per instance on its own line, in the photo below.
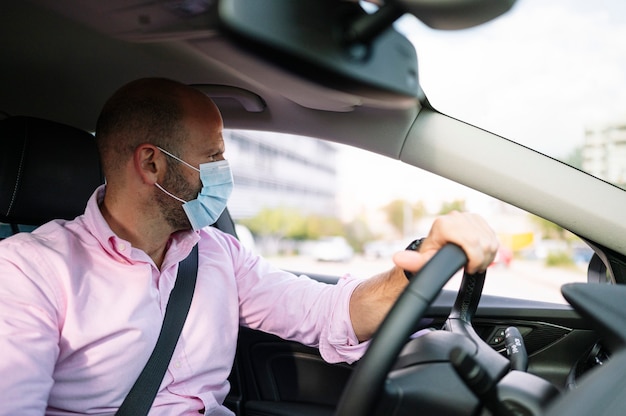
point(142, 394)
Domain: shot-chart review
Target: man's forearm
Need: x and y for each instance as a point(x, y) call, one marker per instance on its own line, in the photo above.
point(372, 300)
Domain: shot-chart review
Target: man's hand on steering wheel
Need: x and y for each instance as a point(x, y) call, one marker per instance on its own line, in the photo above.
point(373, 298)
point(455, 240)
point(469, 231)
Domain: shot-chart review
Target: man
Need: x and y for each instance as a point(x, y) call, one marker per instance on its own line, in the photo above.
point(83, 300)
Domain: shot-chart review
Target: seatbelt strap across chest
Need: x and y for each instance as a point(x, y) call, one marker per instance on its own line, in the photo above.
point(142, 394)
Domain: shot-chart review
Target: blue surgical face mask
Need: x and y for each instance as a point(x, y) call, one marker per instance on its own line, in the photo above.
point(217, 185)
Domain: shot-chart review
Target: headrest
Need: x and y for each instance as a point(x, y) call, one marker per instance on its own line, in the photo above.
point(48, 170)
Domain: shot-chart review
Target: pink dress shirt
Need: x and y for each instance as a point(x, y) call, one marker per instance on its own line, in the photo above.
point(81, 310)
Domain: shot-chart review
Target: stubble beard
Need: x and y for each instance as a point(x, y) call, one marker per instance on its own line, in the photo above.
point(172, 209)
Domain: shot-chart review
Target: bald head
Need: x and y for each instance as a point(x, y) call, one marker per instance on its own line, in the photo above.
point(148, 110)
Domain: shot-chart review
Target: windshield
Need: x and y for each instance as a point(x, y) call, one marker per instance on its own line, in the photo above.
point(548, 75)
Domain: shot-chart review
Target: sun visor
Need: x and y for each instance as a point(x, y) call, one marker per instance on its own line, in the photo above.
point(310, 38)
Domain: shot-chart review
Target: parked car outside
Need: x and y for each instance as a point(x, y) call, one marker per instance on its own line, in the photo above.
point(334, 249)
point(504, 257)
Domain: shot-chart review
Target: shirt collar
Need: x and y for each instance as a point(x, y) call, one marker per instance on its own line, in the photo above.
point(179, 246)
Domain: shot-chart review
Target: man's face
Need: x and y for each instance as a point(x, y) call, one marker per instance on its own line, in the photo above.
point(203, 144)
point(176, 183)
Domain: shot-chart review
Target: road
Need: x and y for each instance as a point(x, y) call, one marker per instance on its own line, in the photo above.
point(522, 279)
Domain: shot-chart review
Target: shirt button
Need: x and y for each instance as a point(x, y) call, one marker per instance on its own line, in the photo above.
point(177, 364)
point(121, 247)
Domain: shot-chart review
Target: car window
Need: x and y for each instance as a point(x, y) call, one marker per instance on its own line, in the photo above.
point(548, 75)
point(320, 207)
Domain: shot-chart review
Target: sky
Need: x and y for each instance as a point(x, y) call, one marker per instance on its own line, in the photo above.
point(565, 57)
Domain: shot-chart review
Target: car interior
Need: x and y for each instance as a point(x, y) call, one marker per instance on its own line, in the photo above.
point(321, 68)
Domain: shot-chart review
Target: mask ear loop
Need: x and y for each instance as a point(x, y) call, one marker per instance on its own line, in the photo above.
point(179, 159)
point(169, 193)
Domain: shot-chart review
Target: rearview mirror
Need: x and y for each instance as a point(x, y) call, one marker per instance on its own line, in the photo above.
point(308, 37)
point(337, 44)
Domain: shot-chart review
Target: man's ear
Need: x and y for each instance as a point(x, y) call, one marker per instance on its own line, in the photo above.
point(149, 163)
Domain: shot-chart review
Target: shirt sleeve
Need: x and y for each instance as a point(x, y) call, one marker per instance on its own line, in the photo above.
point(298, 308)
point(340, 343)
point(29, 333)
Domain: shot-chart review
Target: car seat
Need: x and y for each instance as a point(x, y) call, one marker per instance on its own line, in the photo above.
point(48, 170)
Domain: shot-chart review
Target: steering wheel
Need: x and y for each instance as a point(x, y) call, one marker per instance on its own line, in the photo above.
point(364, 389)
